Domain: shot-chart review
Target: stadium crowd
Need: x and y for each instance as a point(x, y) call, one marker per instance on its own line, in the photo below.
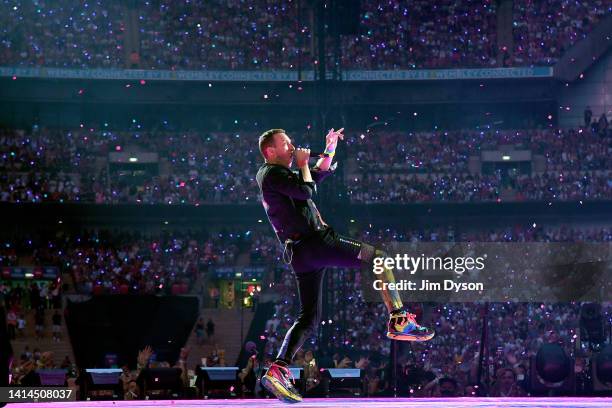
point(422, 34)
point(449, 151)
point(44, 165)
point(126, 262)
point(543, 31)
point(55, 34)
point(561, 186)
point(276, 35)
point(222, 35)
point(434, 166)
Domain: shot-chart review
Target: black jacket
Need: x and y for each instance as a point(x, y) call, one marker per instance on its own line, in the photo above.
point(287, 199)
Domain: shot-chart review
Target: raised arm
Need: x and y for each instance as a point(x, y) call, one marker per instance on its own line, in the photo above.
point(331, 142)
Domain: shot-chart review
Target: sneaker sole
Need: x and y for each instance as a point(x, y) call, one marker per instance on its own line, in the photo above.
point(409, 337)
point(275, 387)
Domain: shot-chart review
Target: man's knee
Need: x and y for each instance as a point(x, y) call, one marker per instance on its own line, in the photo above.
point(366, 253)
point(369, 252)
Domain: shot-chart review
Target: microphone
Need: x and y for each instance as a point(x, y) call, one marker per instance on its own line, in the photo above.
point(315, 155)
point(318, 155)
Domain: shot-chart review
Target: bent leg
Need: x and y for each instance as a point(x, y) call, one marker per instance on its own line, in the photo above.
point(391, 297)
point(338, 250)
point(310, 288)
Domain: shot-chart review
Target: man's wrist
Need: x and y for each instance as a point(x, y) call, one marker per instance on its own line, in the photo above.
point(306, 176)
point(329, 152)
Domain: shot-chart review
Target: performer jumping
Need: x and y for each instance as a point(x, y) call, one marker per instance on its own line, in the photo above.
point(310, 245)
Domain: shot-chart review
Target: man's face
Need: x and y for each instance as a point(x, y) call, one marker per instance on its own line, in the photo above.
point(283, 149)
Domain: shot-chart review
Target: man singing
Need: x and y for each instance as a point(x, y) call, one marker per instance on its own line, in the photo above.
point(310, 245)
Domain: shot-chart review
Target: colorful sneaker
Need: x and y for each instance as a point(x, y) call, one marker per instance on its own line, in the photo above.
point(404, 327)
point(278, 381)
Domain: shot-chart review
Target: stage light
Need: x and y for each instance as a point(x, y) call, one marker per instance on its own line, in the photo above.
point(163, 378)
point(52, 377)
point(217, 381)
point(602, 370)
point(552, 363)
point(343, 381)
point(552, 371)
point(98, 379)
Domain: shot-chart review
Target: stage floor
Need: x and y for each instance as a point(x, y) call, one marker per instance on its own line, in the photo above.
point(341, 402)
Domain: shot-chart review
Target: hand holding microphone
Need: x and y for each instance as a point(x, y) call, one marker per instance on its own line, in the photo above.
point(301, 156)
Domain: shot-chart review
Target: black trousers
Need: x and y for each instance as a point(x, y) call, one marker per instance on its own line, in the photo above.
point(309, 259)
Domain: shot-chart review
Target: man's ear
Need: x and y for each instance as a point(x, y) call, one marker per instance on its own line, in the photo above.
point(270, 152)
